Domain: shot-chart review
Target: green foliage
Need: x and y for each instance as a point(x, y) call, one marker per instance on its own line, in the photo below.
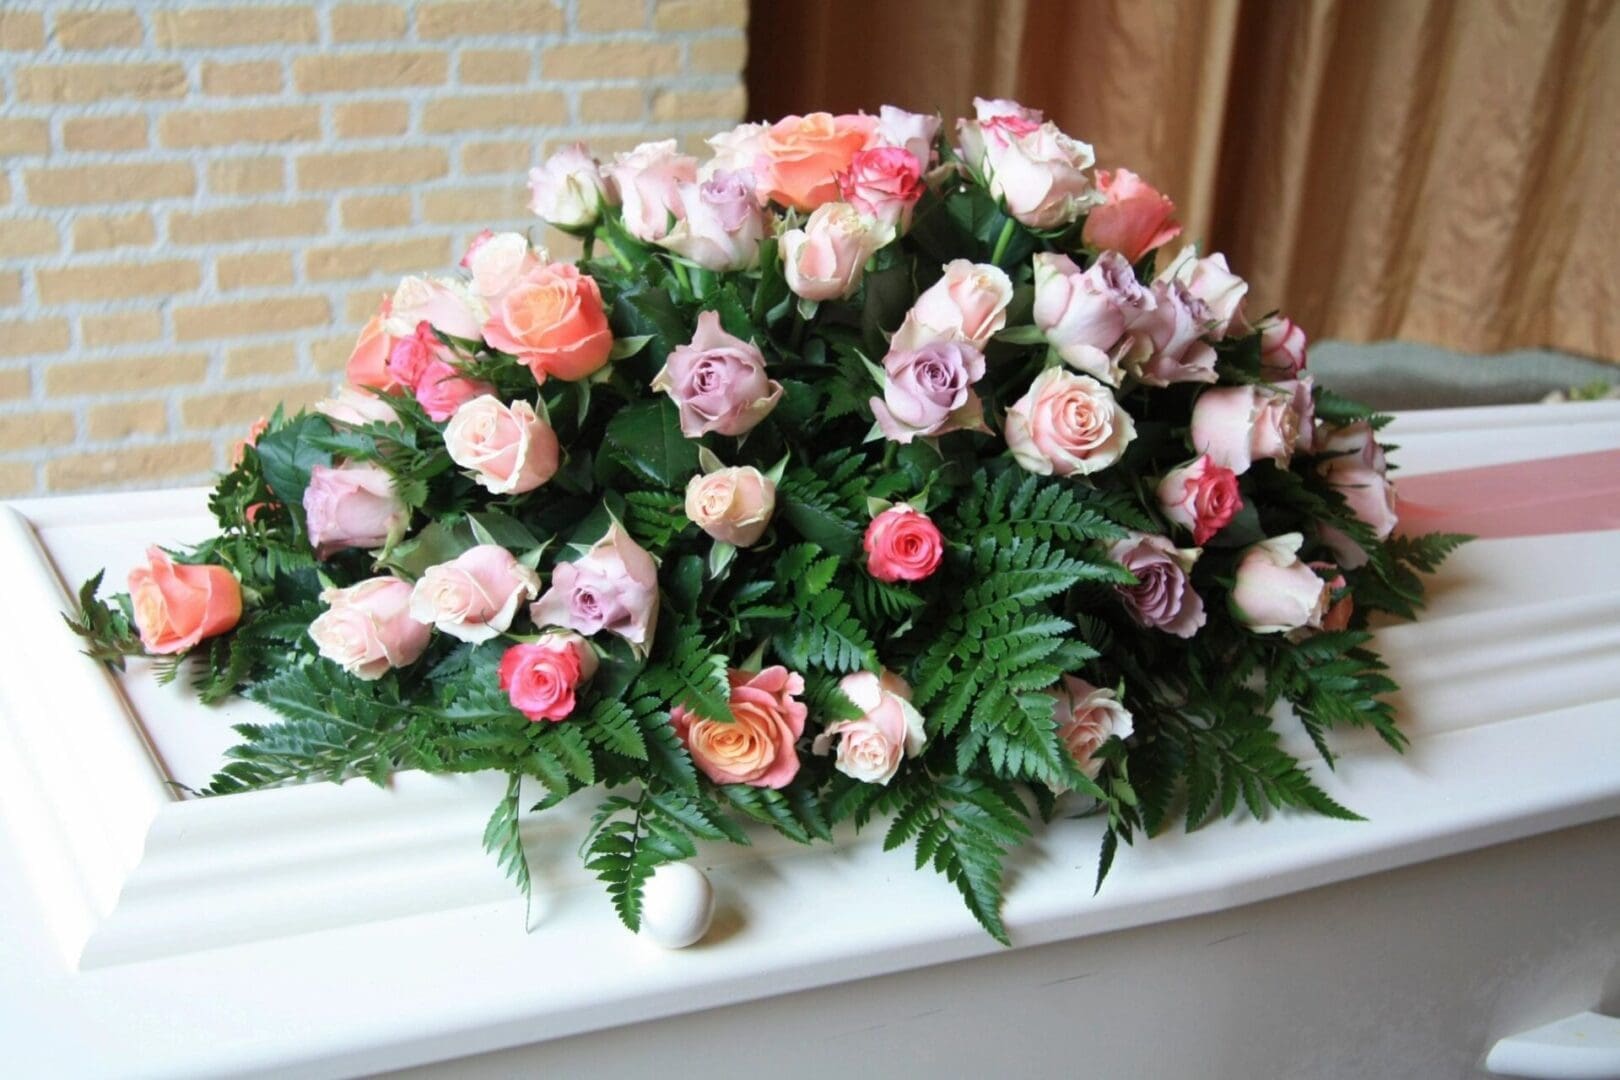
point(503, 836)
point(108, 630)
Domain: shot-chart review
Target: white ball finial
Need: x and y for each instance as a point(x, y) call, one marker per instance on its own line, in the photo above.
point(677, 905)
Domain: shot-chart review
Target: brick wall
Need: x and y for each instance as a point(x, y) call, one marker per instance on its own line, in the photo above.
point(200, 204)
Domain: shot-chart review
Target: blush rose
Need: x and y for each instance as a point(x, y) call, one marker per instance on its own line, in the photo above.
point(474, 596)
point(889, 729)
point(757, 747)
point(367, 628)
point(1275, 591)
point(1088, 716)
point(1067, 424)
point(733, 505)
point(352, 505)
point(509, 449)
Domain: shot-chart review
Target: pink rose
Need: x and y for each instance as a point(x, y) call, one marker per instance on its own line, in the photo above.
point(445, 304)
point(1163, 597)
point(929, 391)
point(1134, 218)
point(649, 179)
point(736, 150)
point(1031, 167)
point(358, 407)
point(1213, 283)
point(508, 448)
point(884, 183)
point(1086, 718)
point(474, 596)
point(178, 605)
point(1087, 315)
point(1175, 332)
point(1282, 348)
point(757, 747)
point(1302, 403)
point(552, 320)
point(800, 157)
point(612, 587)
point(1239, 425)
point(497, 261)
point(732, 505)
point(912, 132)
point(1067, 425)
point(423, 363)
point(720, 225)
point(1352, 462)
point(368, 363)
point(541, 679)
point(1275, 591)
point(825, 259)
point(890, 728)
point(569, 190)
point(969, 303)
point(352, 506)
point(1200, 496)
point(717, 381)
point(367, 628)
point(902, 544)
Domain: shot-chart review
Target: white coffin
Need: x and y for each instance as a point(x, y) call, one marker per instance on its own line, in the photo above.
point(326, 930)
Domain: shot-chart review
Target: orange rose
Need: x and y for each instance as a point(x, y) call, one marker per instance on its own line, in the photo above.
point(178, 606)
point(552, 321)
point(803, 156)
point(368, 363)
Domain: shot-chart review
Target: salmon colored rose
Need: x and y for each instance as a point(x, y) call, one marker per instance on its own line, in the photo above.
point(176, 606)
point(368, 363)
point(552, 321)
point(757, 747)
point(801, 157)
point(1134, 218)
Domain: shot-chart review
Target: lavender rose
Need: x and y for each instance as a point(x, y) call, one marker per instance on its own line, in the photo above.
point(721, 224)
point(929, 391)
point(612, 587)
point(718, 382)
point(1163, 597)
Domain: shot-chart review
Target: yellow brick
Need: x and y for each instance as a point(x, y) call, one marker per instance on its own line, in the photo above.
point(278, 358)
point(16, 477)
point(700, 14)
point(131, 182)
point(105, 133)
point(720, 105)
point(250, 222)
point(130, 465)
point(496, 157)
point(367, 260)
point(612, 106)
point(491, 111)
point(245, 25)
point(492, 67)
point(331, 354)
point(241, 79)
point(326, 74)
point(375, 211)
point(258, 268)
point(21, 30)
point(370, 168)
point(24, 337)
point(120, 329)
point(208, 127)
point(364, 118)
point(239, 408)
point(611, 60)
point(14, 384)
point(487, 18)
point(245, 176)
point(717, 55)
point(5, 188)
point(367, 22)
point(598, 16)
point(124, 374)
point(360, 305)
point(478, 204)
point(24, 137)
point(98, 29)
point(236, 319)
point(117, 281)
point(602, 146)
point(30, 431)
point(27, 236)
point(561, 246)
point(97, 232)
point(10, 287)
point(120, 421)
point(69, 84)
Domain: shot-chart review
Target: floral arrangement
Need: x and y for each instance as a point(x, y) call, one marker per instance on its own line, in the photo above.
point(854, 474)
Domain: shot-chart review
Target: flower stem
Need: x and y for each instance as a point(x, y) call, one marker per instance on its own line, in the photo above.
point(680, 275)
point(617, 254)
point(1003, 240)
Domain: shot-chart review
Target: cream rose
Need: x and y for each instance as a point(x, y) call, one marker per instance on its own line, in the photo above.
point(733, 505)
point(508, 448)
point(1067, 424)
point(474, 596)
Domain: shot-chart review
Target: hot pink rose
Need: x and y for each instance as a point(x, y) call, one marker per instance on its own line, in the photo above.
point(1087, 717)
point(1067, 425)
point(890, 728)
point(178, 605)
point(1275, 591)
point(913, 132)
point(356, 406)
point(498, 261)
point(367, 628)
point(1028, 165)
point(929, 392)
point(446, 304)
point(1134, 218)
point(569, 190)
point(732, 505)
point(884, 183)
point(1282, 348)
point(1088, 316)
point(1239, 425)
point(542, 679)
point(902, 544)
point(1175, 332)
point(1213, 283)
point(718, 382)
point(509, 448)
point(969, 303)
point(648, 179)
point(612, 587)
point(352, 506)
point(552, 320)
point(825, 259)
point(720, 225)
point(423, 363)
point(1163, 597)
point(801, 157)
point(1200, 496)
point(757, 747)
point(474, 596)
point(368, 363)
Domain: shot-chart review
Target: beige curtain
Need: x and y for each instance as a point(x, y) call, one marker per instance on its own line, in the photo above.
point(1438, 170)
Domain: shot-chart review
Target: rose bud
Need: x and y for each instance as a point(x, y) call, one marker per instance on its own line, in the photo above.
point(509, 449)
point(1275, 591)
point(474, 596)
point(1337, 616)
point(1201, 496)
point(1353, 464)
point(757, 746)
point(902, 544)
point(824, 260)
point(177, 605)
point(890, 728)
point(718, 382)
point(612, 587)
point(1086, 718)
point(1163, 597)
point(367, 628)
point(1067, 425)
point(352, 506)
point(358, 407)
point(1282, 348)
point(1134, 218)
point(541, 679)
point(569, 190)
point(733, 505)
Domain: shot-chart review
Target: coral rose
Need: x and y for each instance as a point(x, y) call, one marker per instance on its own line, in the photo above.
point(1200, 496)
point(177, 605)
point(902, 544)
point(884, 183)
point(757, 747)
point(800, 157)
point(552, 320)
point(368, 362)
point(1134, 218)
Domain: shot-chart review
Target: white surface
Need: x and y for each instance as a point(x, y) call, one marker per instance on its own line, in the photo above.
point(423, 955)
point(1585, 1046)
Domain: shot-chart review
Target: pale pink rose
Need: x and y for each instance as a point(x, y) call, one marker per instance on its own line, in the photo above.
point(1211, 281)
point(824, 259)
point(757, 746)
point(423, 363)
point(736, 150)
point(1088, 716)
point(969, 303)
point(358, 407)
point(553, 321)
point(1200, 496)
point(884, 183)
point(1035, 170)
point(649, 179)
point(352, 506)
point(890, 728)
point(1067, 424)
point(612, 587)
point(1302, 402)
point(913, 132)
point(1163, 597)
point(178, 605)
point(1352, 462)
point(367, 628)
point(368, 362)
point(902, 544)
point(509, 449)
point(800, 157)
point(718, 382)
point(541, 679)
point(569, 190)
point(1175, 332)
point(499, 261)
point(445, 304)
point(1239, 425)
point(721, 224)
point(929, 392)
point(1358, 440)
point(1275, 591)
point(733, 505)
point(1134, 219)
point(1088, 316)
point(1282, 348)
point(474, 596)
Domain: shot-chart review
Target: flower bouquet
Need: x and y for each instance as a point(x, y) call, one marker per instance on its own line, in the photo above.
point(858, 473)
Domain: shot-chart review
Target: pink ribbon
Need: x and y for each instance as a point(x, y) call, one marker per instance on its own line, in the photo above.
point(1572, 494)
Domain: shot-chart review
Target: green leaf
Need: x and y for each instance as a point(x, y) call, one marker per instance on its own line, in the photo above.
point(647, 440)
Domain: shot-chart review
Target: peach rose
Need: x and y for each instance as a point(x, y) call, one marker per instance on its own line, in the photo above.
point(1134, 218)
point(1087, 717)
point(649, 178)
point(474, 596)
point(1239, 425)
point(902, 544)
point(255, 429)
point(757, 747)
point(178, 605)
point(552, 321)
point(569, 190)
point(612, 587)
point(801, 157)
point(1067, 424)
point(824, 260)
point(509, 449)
point(1275, 591)
point(718, 382)
point(367, 628)
point(368, 362)
point(1341, 605)
point(969, 303)
point(890, 728)
point(733, 505)
point(541, 679)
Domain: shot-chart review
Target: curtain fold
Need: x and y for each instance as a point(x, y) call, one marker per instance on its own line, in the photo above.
point(1437, 170)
